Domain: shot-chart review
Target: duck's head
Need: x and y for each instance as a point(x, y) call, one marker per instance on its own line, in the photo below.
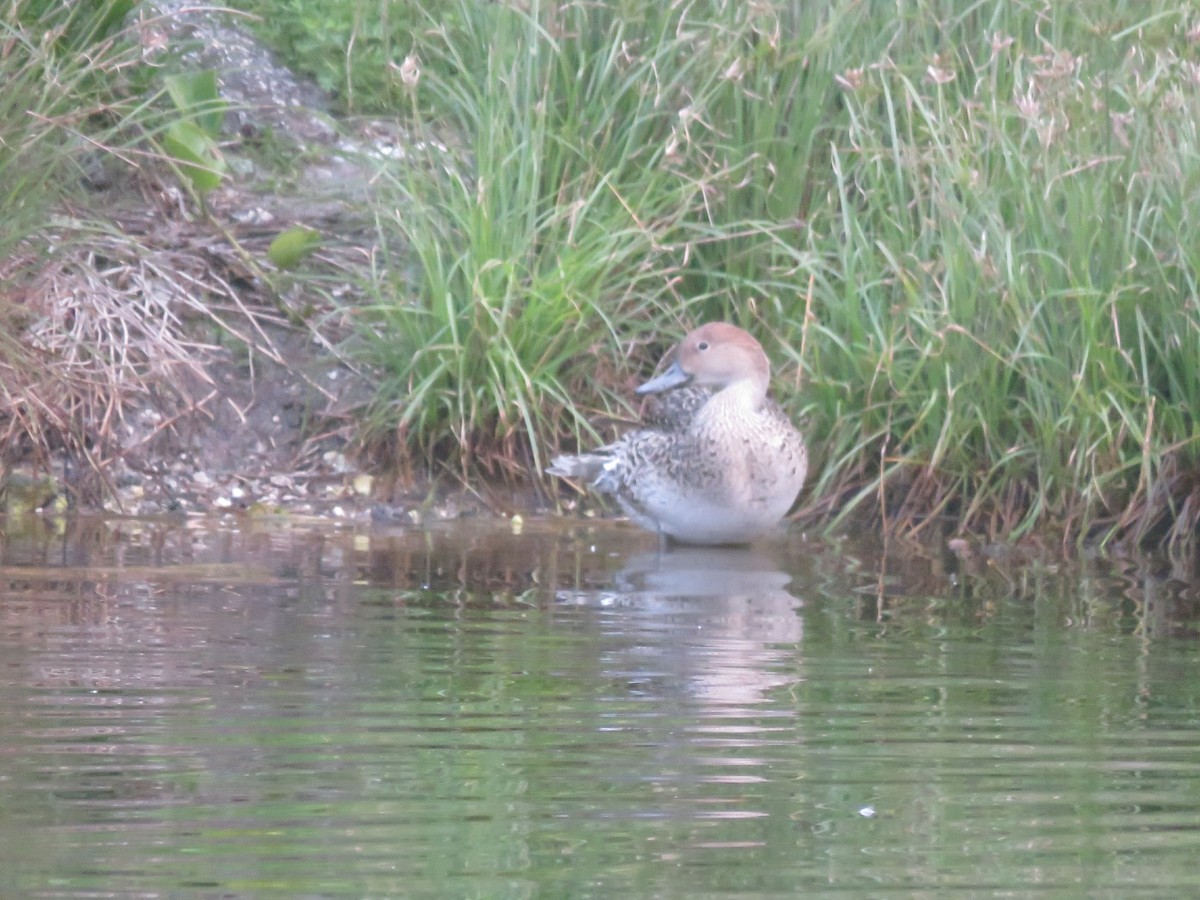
point(715, 355)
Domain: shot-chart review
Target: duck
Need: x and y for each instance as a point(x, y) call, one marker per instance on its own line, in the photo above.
point(715, 461)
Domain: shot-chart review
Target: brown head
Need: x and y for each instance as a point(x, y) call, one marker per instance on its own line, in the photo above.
point(714, 355)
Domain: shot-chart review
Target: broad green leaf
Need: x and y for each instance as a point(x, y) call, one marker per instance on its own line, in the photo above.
point(196, 153)
point(293, 245)
point(197, 97)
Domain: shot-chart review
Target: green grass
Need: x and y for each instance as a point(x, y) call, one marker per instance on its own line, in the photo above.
point(1016, 277)
point(584, 201)
point(352, 48)
point(54, 64)
point(992, 203)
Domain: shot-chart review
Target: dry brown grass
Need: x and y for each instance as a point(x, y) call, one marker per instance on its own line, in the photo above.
point(100, 325)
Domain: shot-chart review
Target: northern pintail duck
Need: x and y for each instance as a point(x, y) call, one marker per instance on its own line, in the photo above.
point(716, 461)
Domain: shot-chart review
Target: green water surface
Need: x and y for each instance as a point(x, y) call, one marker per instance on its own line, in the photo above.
point(490, 711)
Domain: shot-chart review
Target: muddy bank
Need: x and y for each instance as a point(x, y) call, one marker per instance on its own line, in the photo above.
point(185, 373)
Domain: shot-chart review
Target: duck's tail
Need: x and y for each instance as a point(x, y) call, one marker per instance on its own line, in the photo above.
point(586, 466)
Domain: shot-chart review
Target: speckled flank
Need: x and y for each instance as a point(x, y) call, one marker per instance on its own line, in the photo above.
point(716, 461)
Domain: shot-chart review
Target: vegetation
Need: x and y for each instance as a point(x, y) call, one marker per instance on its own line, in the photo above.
point(965, 231)
point(351, 48)
point(49, 89)
point(56, 62)
point(92, 309)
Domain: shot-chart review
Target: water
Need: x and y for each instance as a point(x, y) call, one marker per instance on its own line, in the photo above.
point(472, 712)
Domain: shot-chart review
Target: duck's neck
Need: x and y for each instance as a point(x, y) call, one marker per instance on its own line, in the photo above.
point(744, 394)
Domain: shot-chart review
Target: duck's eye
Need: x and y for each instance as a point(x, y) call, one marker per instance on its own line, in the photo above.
point(703, 345)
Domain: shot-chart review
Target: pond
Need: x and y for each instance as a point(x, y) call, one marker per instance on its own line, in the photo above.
point(500, 709)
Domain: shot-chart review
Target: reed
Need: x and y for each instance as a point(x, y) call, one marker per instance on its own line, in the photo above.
point(55, 62)
point(1014, 325)
point(572, 199)
point(967, 233)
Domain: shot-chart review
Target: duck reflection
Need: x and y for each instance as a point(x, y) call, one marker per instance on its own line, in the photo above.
point(718, 623)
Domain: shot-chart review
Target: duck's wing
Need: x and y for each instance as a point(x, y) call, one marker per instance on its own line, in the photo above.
point(672, 411)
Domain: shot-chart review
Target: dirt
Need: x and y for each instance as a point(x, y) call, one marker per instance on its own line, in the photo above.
point(257, 418)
